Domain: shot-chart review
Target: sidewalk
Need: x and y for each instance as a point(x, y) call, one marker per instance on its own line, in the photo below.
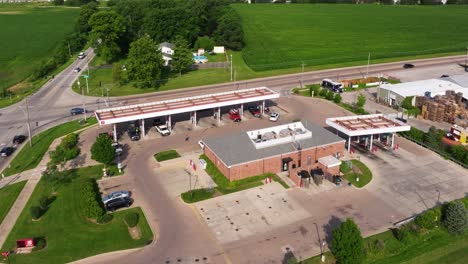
point(32, 176)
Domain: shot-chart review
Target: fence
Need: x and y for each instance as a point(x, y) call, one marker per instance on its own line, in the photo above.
point(444, 155)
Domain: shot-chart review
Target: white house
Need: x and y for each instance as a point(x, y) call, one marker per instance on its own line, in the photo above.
point(167, 50)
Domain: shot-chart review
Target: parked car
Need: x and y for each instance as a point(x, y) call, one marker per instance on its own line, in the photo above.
point(444, 76)
point(134, 135)
point(234, 115)
point(274, 117)
point(77, 111)
point(408, 66)
point(117, 203)
point(115, 195)
point(77, 69)
point(6, 151)
point(163, 130)
point(254, 111)
point(18, 139)
point(81, 56)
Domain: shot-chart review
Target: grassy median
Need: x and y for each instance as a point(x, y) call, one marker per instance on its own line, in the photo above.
point(69, 236)
point(8, 195)
point(29, 157)
point(166, 155)
point(360, 171)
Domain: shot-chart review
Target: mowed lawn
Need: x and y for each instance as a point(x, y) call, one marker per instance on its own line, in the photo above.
point(28, 36)
point(284, 36)
point(68, 234)
point(8, 195)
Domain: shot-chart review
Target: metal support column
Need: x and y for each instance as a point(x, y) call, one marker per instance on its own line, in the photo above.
point(242, 110)
point(115, 132)
point(194, 120)
point(263, 107)
point(371, 138)
point(169, 123)
point(393, 139)
point(349, 143)
point(143, 127)
point(219, 114)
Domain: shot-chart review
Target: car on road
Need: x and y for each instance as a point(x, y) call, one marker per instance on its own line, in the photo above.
point(255, 111)
point(408, 66)
point(274, 117)
point(163, 130)
point(81, 56)
point(117, 203)
point(6, 151)
point(115, 195)
point(18, 139)
point(77, 69)
point(444, 76)
point(77, 111)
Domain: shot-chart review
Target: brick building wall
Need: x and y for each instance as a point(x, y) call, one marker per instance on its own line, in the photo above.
point(308, 158)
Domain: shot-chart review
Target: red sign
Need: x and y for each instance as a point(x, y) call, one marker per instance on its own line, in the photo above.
point(28, 242)
point(5, 254)
point(194, 166)
point(103, 122)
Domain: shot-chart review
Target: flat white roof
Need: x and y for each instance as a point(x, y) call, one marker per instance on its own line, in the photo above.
point(418, 88)
point(183, 105)
point(366, 124)
point(329, 161)
point(277, 135)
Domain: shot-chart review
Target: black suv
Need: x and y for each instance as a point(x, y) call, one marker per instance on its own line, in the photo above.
point(408, 66)
point(117, 203)
point(18, 139)
point(77, 111)
point(6, 151)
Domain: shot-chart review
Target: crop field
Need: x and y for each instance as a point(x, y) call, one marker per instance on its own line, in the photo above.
point(285, 36)
point(28, 35)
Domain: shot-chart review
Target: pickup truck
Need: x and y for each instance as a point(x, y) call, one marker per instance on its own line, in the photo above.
point(163, 130)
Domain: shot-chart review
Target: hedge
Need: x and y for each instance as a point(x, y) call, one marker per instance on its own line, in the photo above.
point(91, 206)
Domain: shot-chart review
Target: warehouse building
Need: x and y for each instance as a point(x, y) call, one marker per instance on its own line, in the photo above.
point(288, 148)
point(394, 94)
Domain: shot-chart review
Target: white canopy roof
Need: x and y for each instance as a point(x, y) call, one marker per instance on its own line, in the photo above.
point(366, 125)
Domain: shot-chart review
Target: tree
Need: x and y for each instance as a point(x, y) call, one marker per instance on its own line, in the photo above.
point(459, 153)
point(117, 74)
point(456, 218)
point(145, 63)
point(182, 57)
point(347, 243)
point(86, 12)
point(337, 98)
point(229, 32)
point(361, 101)
point(102, 150)
point(106, 29)
point(205, 43)
point(58, 2)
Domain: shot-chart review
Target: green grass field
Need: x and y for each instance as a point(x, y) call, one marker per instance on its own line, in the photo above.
point(68, 234)
point(29, 158)
point(32, 33)
point(284, 36)
point(8, 195)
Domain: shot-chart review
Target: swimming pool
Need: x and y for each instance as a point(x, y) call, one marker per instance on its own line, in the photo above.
point(200, 57)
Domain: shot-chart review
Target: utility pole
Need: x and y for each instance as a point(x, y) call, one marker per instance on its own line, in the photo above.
point(302, 75)
point(82, 100)
point(29, 126)
point(69, 50)
point(368, 62)
point(231, 67)
point(466, 58)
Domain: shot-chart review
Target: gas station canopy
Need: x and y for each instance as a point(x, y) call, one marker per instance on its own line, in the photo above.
point(367, 125)
point(183, 105)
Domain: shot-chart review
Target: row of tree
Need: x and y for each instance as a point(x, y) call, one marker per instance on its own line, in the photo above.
point(385, 2)
point(133, 30)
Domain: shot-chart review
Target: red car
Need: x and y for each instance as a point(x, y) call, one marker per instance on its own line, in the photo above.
point(234, 115)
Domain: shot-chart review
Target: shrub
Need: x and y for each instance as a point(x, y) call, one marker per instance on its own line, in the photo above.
point(91, 201)
point(196, 195)
point(39, 243)
point(337, 98)
point(402, 234)
point(35, 212)
point(131, 219)
point(344, 167)
point(105, 218)
point(67, 149)
point(330, 95)
point(455, 218)
point(43, 202)
point(323, 92)
point(347, 243)
point(316, 89)
point(428, 219)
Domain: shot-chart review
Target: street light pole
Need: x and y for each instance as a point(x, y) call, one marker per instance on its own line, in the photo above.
point(231, 67)
point(82, 100)
point(466, 58)
point(302, 75)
